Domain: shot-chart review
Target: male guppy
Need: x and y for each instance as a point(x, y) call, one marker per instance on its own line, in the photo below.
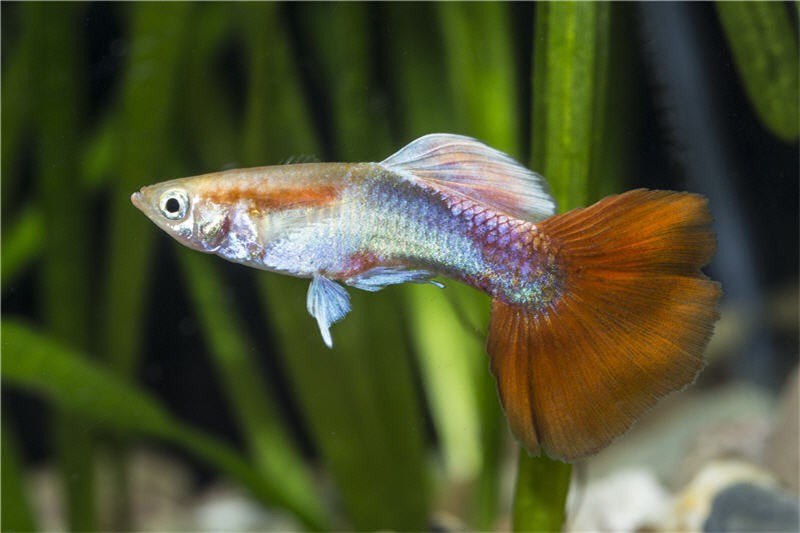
point(596, 313)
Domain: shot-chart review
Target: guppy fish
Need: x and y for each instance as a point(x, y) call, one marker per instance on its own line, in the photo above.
point(596, 313)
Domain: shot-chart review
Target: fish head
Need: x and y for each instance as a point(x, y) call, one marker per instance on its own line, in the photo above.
point(180, 208)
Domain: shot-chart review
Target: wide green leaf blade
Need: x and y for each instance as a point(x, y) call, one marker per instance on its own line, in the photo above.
point(272, 450)
point(22, 243)
point(541, 491)
point(147, 110)
point(450, 361)
point(570, 39)
point(481, 69)
point(571, 56)
point(417, 67)
point(65, 268)
point(17, 124)
point(765, 50)
point(15, 505)
point(208, 110)
point(358, 400)
point(36, 364)
point(39, 364)
point(467, 87)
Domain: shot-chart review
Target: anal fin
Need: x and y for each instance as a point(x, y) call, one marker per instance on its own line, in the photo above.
point(328, 302)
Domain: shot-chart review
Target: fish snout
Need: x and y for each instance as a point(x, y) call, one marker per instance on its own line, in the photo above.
point(136, 199)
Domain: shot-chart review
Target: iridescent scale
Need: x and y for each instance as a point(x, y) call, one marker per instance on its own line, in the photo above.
point(456, 237)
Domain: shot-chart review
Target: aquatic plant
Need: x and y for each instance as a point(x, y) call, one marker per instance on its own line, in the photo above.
point(405, 407)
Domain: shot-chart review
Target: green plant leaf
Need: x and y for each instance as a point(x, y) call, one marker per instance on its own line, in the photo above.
point(358, 400)
point(22, 243)
point(450, 361)
point(359, 403)
point(765, 50)
point(272, 450)
point(16, 509)
point(617, 108)
point(564, 85)
point(339, 40)
point(101, 153)
point(65, 268)
point(570, 78)
point(418, 68)
point(570, 57)
point(36, 364)
point(208, 110)
point(17, 107)
point(147, 110)
point(145, 150)
point(540, 492)
point(42, 365)
point(481, 69)
point(273, 133)
point(483, 82)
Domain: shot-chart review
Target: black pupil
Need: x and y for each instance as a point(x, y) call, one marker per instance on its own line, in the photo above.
point(173, 205)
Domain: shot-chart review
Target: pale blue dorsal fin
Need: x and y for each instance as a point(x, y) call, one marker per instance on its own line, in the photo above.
point(457, 164)
point(328, 302)
point(378, 278)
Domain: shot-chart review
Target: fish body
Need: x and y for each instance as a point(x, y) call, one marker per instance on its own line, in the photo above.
point(355, 222)
point(607, 298)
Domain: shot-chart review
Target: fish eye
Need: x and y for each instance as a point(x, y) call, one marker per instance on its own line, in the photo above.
point(174, 204)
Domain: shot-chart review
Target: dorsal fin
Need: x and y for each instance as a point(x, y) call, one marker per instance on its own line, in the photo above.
point(457, 164)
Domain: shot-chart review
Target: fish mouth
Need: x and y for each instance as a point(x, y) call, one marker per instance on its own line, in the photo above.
point(136, 199)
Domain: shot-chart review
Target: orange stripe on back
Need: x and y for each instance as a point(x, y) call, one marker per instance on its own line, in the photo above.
point(266, 198)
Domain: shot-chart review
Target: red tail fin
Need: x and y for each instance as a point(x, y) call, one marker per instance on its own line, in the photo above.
point(629, 327)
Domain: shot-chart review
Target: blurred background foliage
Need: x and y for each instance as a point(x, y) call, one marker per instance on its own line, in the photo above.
point(114, 339)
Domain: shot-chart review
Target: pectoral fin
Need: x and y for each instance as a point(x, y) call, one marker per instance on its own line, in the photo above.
point(379, 278)
point(328, 302)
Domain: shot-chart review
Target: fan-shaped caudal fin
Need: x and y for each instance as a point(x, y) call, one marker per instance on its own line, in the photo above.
point(629, 326)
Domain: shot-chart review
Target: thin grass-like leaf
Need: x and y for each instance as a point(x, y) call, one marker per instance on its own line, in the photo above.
point(269, 444)
point(449, 360)
point(148, 99)
point(541, 491)
point(37, 364)
point(101, 153)
point(358, 406)
point(765, 49)
point(483, 82)
point(15, 505)
point(481, 69)
point(358, 400)
point(271, 448)
point(19, 56)
point(208, 110)
point(419, 71)
point(570, 41)
point(616, 109)
point(66, 268)
point(451, 356)
point(22, 243)
point(64, 283)
point(273, 77)
point(571, 53)
point(146, 114)
point(339, 38)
